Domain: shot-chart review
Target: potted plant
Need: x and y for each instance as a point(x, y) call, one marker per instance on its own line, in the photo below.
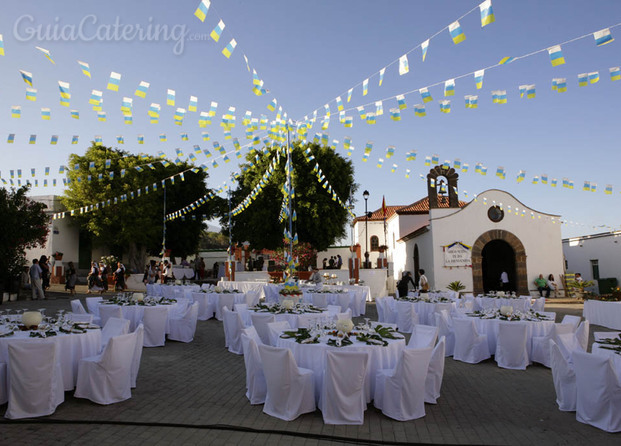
point(579, 287)
point(456, 286)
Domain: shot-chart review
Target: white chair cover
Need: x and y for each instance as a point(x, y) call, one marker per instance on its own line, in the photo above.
point(290, 390)
point(539, 304)
point(232, 331)
point(243, 311)
point(106, 378)
point(470, 346)
point(541, 344)
point(379, 305)
point(568, 344)
point(343, 398)
point(564, 378)
point(35, 384)
point(433, 382)
point(333, 310)
point(108, 311)
point(400, 392)
point(344, 300)
point(582, 334)
point(114, 327)
point(224, 300)
point(251, 332)
point(320, 300)
point(4, 392)
point(154, 321)
point(406, 316)
point(511, 348)
point(599, 392)
point(445, 328)
point(252, 298)
point(77, 307)
point(260, 321)
point(206, 307)
point(423, 336)
point(256, 388)
point(390, 314)
point(92, 303)
point(275, 329)
point(137, 354)
point(345, 315)
point(574, 321)
point(182, 329)
point(79, 317)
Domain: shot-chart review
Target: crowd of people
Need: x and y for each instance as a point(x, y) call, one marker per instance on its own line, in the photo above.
point(335, 262)
point(97, 278)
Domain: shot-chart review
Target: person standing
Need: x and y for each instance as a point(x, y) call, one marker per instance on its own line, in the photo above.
point(35, 280)
point(71, 278)
point(504, 281)
point(423, 283)
point(103, 276)
point(402, 286)
point(119, 277)
point(324, 263)
point(93, 278)
point(339, 261)
point(542, 285)
point(45, 273)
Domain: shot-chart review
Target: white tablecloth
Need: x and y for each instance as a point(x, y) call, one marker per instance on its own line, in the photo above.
point(70, 349)
point(135, 313)
point(182, 272)
point(294, 319)
point(490, 328)
point(616, 357)
point(313, 357)
point(490, 303)
point(244, 287)
point(606, 314)
point(426, 310)
point(356, 301)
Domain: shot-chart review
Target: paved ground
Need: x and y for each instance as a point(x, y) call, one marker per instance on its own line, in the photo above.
point(194, 394)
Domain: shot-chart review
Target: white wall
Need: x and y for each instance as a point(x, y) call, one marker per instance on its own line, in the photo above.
point(606, 248)
point(343, 251)
point(375, 228)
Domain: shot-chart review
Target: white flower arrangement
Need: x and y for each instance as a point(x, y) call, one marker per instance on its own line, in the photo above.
point(506, 310)
point(344, 326)
point(288, 304)
point(138, 297)
point(218, 289)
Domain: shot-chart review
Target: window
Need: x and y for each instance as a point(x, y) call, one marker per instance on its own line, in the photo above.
point(495, 214)
point(374, 243)
point(595, 268)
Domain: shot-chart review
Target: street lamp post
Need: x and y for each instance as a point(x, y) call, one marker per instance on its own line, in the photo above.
point(365, 194)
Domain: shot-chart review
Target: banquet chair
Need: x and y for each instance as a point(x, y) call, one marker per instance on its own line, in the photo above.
point(445, 328)
point(79, 317)
point(442, 306)
point(251, 332)
point(205, 287)
point(137, 354)
point(435, 373)
point(343, 397)
point(406, 316)
point(243, 311)
point(182, 329)
point(390, 314)
point(224, 300)
point(470, 346)
point(511, 346)
point(92, 303)
point(379, 305)
point(154, 321)
point(77, 307)
point(564, 378)
point(114, 327)
point(320, 300)
point(252, 298)
point(168, 292)
point(290, 389)
point(206, 308)
point(108, 311)
point(260, 321)
point(106, 378)
point(344, 300)
point(39, 389)
point(598, 401)
point(333, 310)
point(574, 321)
point(539, 304)
point(568, 344)
point(582, 334)
point(233, 326)
point(4, 393)
point(256, 388)
point(423, 336)
point(307, 320)
point(400, 392)
point(275, 329)
point(540, 351)
point(345, 315)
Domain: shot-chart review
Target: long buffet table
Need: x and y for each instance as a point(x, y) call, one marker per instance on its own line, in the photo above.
point(606, 314)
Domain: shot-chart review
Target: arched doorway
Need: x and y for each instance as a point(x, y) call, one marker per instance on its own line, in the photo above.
point(416, 264)
point(519, 281)
point(497, 256)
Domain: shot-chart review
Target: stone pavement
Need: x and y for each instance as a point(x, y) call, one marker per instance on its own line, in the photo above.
point(194, 394)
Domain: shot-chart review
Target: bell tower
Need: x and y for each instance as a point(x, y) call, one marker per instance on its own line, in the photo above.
point(442, 187)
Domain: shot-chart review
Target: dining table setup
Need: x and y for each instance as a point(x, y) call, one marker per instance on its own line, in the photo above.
point(133, 305)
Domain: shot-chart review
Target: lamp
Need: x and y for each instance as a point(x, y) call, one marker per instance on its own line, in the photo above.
point(365, 195)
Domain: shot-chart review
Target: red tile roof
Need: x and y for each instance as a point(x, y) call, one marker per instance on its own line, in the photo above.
point(378, 215)
point(418, 207)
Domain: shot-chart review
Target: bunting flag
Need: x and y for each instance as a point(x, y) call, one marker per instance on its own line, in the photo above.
point(96, 98)
point(1, 45)
point(559, 84)
point(217, 31)
point(120, 139)
point(54, 140)
point(380, 163)
point(594, 77)
point(424, 47)
point(349, 93)
point(31, 94)
point(615, 73)
point(456, 32)
point(499, 97)
point(608, 189)
point(395, 114)
point(163, 137)
point(381, 76)
point(46, 53)
point(98, 140)
point(602, 37)
point(457, 164)
point(404, 67)
point(506, 60)
point(449, 87)
point(230, 47)
point(471, 101)
point(554, 182)
point(141, 91)
point(26, 76)
point(86, 69)
point(205, 136)
point(201, 11)
point(478, 78)
point(530, 92)
point(365, 87)
point(544, 178)
point(401, 102)
point(127, 105)
point(32, 139)
point(140, 139)
point(445, 106)
point(11, 138)
point(75, 139)
point(46, 114)
point(114, 81)
point(75, 114)
point(419, 110)
point(556, 55)
point(487, 13)
point(271, 106)
point(379, 108)
point(390, 151)
point(339, 103)
point(193, 106)
point(583, 79)
point(170, 97)
point(16, 111)
point(424, 92)
point(500, 172)
point(101, 116)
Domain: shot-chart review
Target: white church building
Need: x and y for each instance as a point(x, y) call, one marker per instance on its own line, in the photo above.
point(471, 242)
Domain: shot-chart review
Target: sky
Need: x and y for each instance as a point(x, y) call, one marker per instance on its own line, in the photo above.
point(308, 54)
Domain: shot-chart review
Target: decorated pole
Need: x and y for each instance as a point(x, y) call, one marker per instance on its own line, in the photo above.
point(164, 226)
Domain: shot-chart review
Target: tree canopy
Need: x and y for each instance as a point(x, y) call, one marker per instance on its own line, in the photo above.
point(24, 225)
point(135, 226)
point(320, 220)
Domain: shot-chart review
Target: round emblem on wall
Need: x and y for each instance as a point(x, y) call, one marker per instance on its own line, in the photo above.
point(495, 214)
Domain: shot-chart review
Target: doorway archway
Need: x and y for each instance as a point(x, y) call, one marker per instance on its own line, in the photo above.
point(519, 281)
point(497, 256)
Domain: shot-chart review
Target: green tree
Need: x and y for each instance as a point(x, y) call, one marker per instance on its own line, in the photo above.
point(24, 226)
point(135, 226)
point(320, 220)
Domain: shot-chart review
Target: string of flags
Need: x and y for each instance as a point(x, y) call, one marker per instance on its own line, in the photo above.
point(190, 207)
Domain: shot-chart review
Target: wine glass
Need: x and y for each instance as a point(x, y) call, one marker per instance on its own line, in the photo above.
point(42, 311)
